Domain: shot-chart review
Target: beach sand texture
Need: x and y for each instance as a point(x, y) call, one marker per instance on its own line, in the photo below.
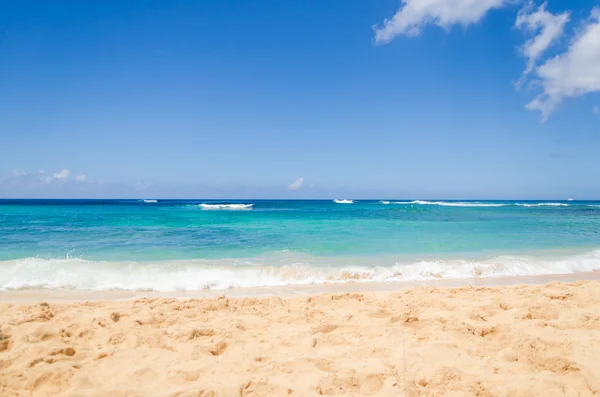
point(470, 341)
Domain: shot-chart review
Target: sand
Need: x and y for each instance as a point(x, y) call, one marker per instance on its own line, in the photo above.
point(523, 340)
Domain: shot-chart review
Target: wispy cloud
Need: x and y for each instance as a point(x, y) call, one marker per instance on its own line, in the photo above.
point(573, 73)
point(549, 27)
point(62, 183)
point(414, 14)
point(596, 110)
point(297, 184)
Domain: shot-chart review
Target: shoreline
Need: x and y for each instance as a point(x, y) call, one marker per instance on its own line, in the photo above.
point(28, 296)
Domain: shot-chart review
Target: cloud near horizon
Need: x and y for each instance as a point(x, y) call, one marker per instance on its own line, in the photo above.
point(18, 185)
point(40, 180)
point(297, 184)
point(57, 176)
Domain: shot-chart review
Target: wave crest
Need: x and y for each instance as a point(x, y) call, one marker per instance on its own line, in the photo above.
point(338, 201)
point(476, 204)
point(451, 203)
point(289, 269)
point(543, 205)
point(226, 207)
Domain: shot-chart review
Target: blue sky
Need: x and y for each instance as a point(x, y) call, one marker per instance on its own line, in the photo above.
point(300, 99)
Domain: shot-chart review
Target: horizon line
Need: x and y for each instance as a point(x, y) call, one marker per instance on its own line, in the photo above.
point(289, 199)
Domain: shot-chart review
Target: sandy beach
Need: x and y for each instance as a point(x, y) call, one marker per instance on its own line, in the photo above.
point(519, 340)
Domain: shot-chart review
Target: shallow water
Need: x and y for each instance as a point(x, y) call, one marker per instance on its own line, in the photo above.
point(196, 244)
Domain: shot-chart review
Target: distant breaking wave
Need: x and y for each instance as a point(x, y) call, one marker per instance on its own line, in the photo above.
point(384, 202)
point(150, 201)
point(543, 205)
point(343, 201)
point(226, 207)
point(473, 204)
point(451, 204)
point(294, 269)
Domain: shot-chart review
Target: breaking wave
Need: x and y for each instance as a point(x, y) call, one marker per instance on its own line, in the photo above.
point(343, 201)
point(452, 203)
point(542, 205)
point(226, 207)
point(289, 269)
point(474, 204)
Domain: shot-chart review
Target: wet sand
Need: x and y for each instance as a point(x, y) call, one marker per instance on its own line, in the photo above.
point(66, 295)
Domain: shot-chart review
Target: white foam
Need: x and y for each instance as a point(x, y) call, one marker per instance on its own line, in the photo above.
point(543, 205)
point(150, 201)
point(451, 203)
point(476, 204)
point(384, 202)
point(226, 207)
point(343, 201)
point(286, 269)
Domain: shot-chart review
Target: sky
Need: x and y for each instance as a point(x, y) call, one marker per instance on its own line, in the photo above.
point(464, 99)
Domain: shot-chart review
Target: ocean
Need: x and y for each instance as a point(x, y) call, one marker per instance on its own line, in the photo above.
point(174, 245)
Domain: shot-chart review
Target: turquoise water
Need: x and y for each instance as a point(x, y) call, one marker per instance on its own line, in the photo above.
point(194, 244)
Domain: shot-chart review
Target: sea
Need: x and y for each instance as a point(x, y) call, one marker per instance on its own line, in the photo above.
point(184, 245)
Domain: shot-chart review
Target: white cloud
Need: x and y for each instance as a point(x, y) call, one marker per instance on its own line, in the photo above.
point(81, 178)
point(573, 73)
point(596, 109)
point(297, 184)
point(19, 173)
point(414, 14)
point(548, 26)
point(61, 175)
